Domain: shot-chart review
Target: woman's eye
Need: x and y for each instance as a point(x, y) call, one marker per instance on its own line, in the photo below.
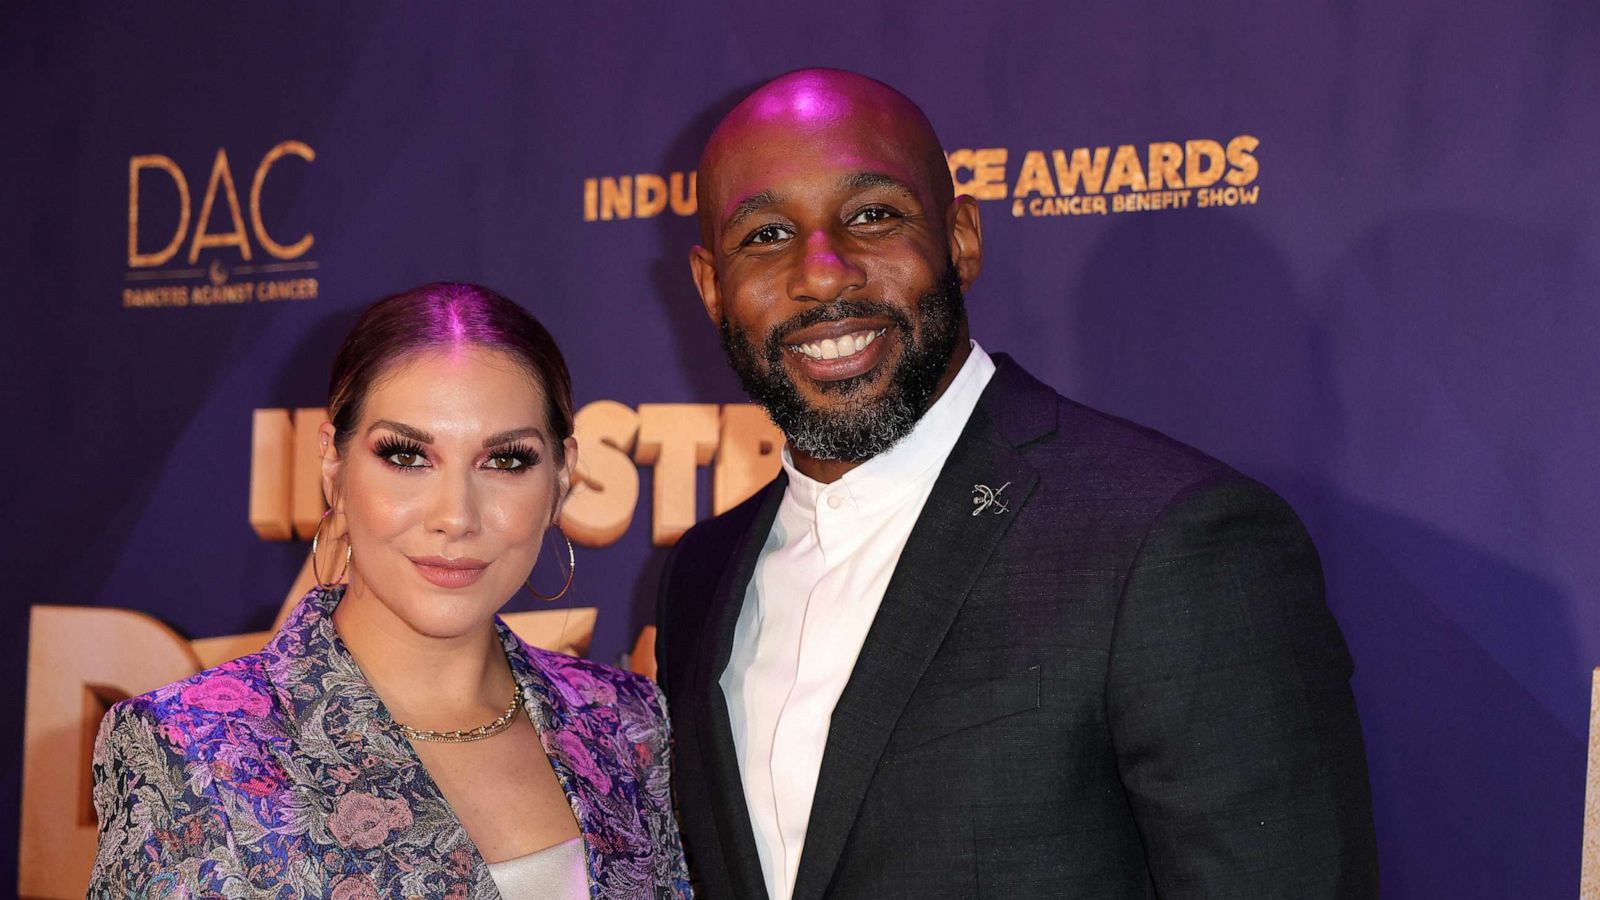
point(767, 234)
point(512, 459)
point(401, 454)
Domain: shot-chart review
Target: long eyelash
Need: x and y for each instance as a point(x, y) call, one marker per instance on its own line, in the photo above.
point(522, 453)
point(389, 446)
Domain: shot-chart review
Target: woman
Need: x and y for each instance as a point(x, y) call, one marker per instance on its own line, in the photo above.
point(395, 739)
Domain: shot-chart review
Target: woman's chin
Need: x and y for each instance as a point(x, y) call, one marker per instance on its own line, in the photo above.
point(446, 614)
point(445, 624)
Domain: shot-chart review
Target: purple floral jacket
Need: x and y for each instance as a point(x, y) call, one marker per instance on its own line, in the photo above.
point(280, 774)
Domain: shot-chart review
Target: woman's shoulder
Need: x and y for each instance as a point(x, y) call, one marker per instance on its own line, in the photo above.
point(585, 682)
point(209, 702)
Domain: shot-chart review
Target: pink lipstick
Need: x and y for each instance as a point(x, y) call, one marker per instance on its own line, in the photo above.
point(450, 573)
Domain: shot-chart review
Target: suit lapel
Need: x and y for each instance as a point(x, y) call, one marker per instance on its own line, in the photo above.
point(952, 540)
point(718, 754)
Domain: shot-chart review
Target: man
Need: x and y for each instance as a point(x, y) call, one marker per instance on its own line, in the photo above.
point(975, 640)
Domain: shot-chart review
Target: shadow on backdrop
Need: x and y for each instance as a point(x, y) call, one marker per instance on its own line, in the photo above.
point(1467, 343)
point(694, 337)
point(1198, 328)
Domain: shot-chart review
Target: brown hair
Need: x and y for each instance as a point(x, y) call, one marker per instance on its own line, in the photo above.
point(446, 314)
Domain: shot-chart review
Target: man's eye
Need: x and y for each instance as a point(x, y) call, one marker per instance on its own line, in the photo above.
point(872, 215)
point(767, 234)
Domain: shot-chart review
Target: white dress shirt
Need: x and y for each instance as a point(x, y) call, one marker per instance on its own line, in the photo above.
point(814, 593)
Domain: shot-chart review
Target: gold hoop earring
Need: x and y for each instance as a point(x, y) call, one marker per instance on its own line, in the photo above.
point(315, 573)
point(572, 567)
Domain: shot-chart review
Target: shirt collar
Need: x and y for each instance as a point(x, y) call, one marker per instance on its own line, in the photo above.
point(900, 468)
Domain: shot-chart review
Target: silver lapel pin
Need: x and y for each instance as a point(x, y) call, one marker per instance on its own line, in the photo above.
point(985, 497)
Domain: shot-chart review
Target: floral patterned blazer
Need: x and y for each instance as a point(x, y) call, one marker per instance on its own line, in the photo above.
point(281, 774)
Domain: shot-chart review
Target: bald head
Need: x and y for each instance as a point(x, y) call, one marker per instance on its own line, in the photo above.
point(822, 105)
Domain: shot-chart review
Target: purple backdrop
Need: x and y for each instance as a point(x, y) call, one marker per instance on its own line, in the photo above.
point(1399, 333)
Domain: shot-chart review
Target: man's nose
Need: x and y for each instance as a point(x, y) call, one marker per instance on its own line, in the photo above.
point(827, 269)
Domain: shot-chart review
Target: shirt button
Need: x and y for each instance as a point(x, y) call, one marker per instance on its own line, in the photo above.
point(835, 501)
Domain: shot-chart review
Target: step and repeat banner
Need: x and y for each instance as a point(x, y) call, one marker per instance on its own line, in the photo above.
point(1351, 248)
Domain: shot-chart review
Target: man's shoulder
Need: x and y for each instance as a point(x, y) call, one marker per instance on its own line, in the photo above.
point(701, 557)
point(1044, 421)
point(1132, 481)
point(720, 535)
point(1067, 434)
point(1130, 448)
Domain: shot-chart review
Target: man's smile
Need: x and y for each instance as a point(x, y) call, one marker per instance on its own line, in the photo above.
point(849, 355)
point(837, 350)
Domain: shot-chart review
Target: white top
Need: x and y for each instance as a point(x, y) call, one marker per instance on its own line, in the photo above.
point(558, 872)
point(814, 593)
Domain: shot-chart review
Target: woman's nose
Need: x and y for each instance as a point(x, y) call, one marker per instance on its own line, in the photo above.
point(453, 511)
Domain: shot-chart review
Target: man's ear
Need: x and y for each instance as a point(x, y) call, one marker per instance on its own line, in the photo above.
point(703, 266)
point(328, 452)
point(966, 239)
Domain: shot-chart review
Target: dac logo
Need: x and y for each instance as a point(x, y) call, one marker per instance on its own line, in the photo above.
point(156, 180)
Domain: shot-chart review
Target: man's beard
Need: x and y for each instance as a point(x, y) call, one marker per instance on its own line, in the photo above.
point(861, 427)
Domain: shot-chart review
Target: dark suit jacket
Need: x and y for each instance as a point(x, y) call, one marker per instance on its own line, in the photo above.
point(1124, 684)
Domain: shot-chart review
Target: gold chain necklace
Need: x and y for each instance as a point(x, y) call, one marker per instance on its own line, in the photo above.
point(471, 734)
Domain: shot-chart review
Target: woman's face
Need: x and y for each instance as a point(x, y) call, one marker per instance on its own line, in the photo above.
point(446, 488)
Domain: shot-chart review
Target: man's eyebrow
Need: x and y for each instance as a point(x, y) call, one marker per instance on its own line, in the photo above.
point(749, 206)
point(858, 180)
point(506, 437)
point(416, 434)
point(854, 182)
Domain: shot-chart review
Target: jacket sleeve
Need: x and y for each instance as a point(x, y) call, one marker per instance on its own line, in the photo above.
point(158, 835)
point(1230, 707)
point(674, 875)
point(663, 601)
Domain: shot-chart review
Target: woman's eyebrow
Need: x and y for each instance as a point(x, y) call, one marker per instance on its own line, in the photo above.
point(504, 437)
point(416, 434)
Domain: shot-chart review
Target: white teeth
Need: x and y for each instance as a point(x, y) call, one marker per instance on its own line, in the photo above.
point(846, 346)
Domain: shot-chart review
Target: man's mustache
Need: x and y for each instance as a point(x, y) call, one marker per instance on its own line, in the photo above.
point(833, 312)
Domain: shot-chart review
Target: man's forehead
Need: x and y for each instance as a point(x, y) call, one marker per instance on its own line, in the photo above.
point(816, 124)
point(843, 155)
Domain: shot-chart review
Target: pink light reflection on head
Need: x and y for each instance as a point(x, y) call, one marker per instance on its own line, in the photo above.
point(808, 101)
